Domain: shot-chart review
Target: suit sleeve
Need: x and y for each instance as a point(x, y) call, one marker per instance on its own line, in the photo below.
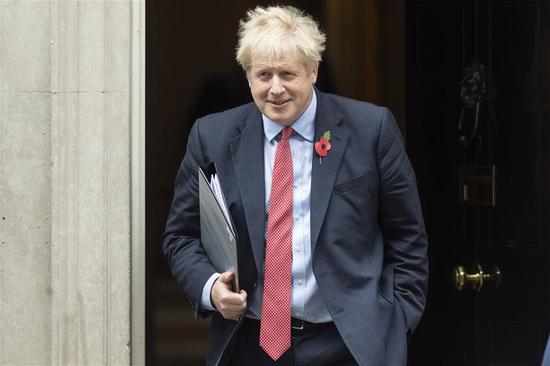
point(405, 240)
point(181, 241)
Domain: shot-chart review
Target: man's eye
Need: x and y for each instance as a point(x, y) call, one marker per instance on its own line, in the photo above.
point(287, 75)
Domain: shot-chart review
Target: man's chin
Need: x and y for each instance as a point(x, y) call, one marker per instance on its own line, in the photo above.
point(281, 120)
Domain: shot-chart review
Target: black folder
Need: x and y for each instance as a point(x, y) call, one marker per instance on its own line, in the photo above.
point(218, 235)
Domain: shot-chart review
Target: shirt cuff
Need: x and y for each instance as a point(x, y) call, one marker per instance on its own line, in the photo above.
point(206, 304)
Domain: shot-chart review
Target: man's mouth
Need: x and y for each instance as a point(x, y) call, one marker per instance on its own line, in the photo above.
point(278, 102)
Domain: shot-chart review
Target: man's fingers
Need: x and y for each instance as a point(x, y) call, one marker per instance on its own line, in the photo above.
point(233, 298)
point(232, 311)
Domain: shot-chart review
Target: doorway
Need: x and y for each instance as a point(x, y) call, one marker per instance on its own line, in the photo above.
point(411, 57)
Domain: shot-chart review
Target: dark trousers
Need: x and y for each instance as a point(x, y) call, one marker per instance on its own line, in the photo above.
point(319, 345)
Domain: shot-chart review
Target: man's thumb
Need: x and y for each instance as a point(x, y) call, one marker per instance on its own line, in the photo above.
point(226, 277)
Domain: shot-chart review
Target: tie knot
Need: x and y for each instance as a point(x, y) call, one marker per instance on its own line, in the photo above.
point(287, 131)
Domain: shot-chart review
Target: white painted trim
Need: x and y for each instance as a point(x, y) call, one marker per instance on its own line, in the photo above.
point(137, 317)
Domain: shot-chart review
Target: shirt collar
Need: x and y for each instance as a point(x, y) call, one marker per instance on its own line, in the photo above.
point(304, 125)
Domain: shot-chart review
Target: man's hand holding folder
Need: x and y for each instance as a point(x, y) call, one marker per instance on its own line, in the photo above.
point(219, 239)
point(230, 304)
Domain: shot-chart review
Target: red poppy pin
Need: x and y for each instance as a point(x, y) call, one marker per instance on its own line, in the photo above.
point(323, 145)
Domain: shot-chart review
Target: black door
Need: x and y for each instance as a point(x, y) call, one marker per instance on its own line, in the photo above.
point(478, 131)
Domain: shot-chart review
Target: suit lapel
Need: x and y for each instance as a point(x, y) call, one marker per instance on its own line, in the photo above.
point(247, 152)
point(323, 173)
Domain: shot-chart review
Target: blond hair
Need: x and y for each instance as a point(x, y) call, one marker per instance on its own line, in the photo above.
point(277, 31)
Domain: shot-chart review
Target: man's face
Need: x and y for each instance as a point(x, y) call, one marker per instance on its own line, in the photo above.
point(282, 90)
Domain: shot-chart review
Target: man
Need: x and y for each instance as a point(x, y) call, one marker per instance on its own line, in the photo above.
point(331, 241)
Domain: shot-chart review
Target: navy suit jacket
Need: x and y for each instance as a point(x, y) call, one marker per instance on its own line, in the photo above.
point(367, 233)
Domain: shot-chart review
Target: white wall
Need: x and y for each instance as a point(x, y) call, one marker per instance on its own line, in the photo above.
point(65, 182)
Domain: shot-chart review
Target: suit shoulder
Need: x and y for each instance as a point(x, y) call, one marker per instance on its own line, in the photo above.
point(353, 105)
point(354, 109)
point(217, 129)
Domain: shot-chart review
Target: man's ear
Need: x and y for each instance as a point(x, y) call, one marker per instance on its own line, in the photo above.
point(314, 71)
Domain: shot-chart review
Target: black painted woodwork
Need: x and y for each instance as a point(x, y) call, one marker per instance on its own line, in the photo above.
point(508, 325)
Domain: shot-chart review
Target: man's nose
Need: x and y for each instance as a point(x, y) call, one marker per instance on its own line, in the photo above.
point(277, 86)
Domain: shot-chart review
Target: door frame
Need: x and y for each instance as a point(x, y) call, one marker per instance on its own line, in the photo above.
point(137, 189)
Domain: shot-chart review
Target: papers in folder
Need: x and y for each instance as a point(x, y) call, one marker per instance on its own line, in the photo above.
point(218, 235)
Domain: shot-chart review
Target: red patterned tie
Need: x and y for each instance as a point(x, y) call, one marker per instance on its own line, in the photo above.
point(275, 322)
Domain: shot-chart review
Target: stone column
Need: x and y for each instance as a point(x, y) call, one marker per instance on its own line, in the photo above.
point(65, 182)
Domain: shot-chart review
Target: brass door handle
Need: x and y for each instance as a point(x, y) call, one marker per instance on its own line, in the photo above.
point(477, 279)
